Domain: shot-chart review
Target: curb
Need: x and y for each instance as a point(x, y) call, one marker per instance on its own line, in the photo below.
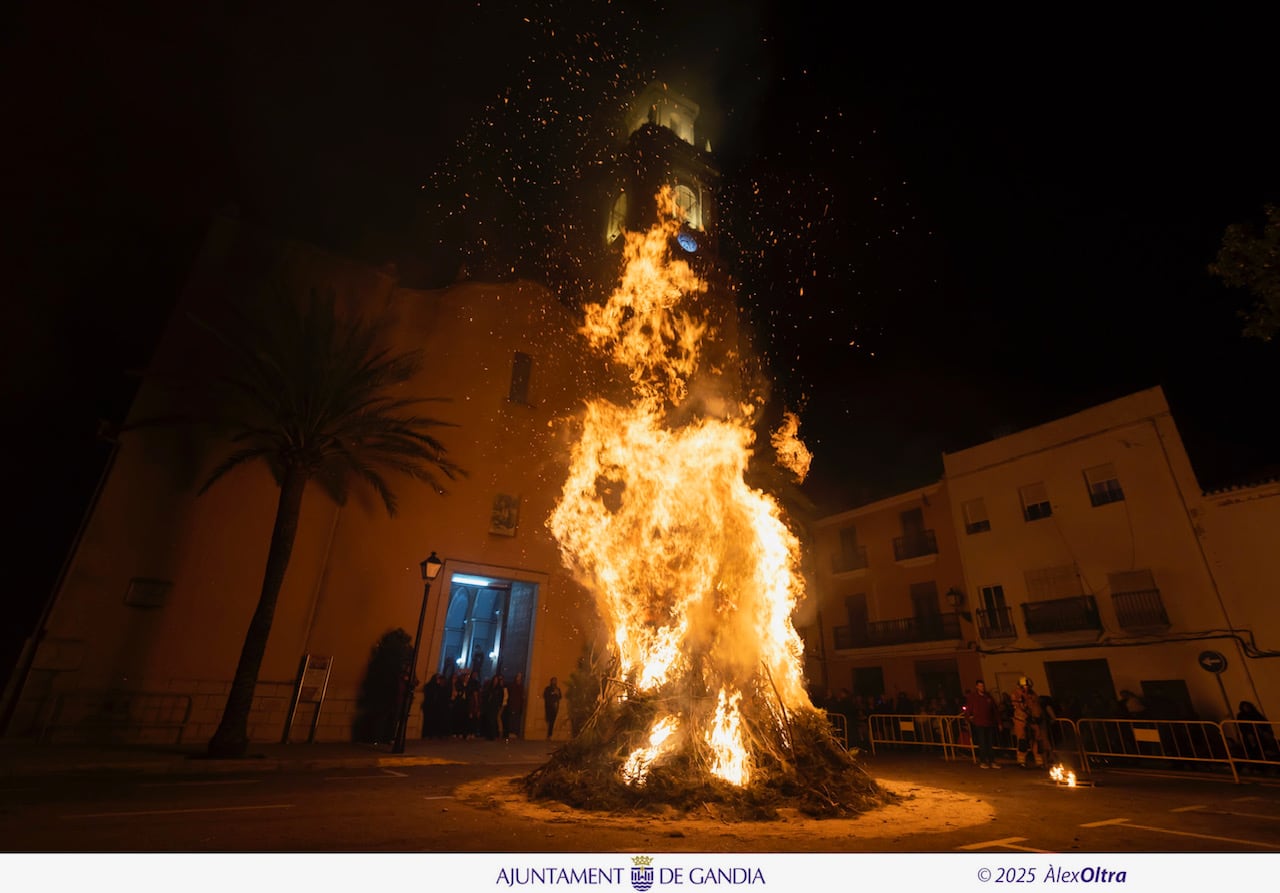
point(215, 767)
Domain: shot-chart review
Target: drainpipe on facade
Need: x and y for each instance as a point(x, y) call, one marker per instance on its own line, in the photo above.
point(324, 575)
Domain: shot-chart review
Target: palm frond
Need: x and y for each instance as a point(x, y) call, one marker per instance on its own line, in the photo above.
point(305, 388)
point(236, 459)
point(379, 484)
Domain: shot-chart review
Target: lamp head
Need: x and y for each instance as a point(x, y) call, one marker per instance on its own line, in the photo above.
point(430, 567)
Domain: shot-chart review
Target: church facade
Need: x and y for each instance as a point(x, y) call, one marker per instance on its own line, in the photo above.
point(147, 623)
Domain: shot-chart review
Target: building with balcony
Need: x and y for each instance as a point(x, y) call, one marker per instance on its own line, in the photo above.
point(1088, 568)
point(885, 623)
point(1081, 553)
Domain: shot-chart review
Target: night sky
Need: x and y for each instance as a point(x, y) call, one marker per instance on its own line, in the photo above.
point(942, 231)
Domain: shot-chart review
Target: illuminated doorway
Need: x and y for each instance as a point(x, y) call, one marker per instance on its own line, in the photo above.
point(488, 626)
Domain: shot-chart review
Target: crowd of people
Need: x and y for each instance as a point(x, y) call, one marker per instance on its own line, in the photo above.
point(463, 705)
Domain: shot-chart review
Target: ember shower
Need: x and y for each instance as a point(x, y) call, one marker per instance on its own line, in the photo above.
point(693, 571)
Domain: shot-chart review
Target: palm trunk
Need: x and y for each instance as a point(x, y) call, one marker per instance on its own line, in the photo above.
point(232, 737)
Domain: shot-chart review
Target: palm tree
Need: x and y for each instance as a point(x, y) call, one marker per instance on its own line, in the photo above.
point(315, 401)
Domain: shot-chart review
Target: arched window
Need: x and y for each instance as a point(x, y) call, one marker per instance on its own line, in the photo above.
point(687, 206)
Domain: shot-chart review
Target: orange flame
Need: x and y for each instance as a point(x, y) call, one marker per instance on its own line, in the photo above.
point(693, 570)
point(791, 451)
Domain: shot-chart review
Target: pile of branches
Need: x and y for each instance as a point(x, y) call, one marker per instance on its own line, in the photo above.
point(796, 765)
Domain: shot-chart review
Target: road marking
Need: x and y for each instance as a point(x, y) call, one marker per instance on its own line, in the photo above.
point(439, 797)
point(113, 815)
point(181, 784)
point(1232, 812)
point(1128, 824)
point(1188, 808)
point(1009, 843)
point(1253, 815)
point(390, 773)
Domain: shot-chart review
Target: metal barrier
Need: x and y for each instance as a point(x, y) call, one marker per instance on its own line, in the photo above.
point(116, 715)
point(1089, 743)
point(1253, 742)
point(899, 731)
point(1166, 741)
point(839, 726)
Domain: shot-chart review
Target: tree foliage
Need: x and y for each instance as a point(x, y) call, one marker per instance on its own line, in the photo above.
point(384, 688)
point(1249, 258)
point(315, 396)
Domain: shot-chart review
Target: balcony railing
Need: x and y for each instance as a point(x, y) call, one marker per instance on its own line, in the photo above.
point(852, 560)
point(931, 628)
point(996, 623)
point(1140, 610)
point(914, 545)
point(850, 637)
point(902, 631)
point(1062, 615)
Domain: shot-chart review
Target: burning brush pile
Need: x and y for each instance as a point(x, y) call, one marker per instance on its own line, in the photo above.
point(695, 577)
point(630, 758)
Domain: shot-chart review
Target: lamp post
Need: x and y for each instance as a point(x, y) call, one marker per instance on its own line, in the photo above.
point(430, 566)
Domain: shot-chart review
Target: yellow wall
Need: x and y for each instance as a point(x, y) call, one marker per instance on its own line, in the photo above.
point(1239, 531)
point(354, 572)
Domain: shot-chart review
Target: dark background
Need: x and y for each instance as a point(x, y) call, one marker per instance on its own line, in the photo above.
point(943, 230)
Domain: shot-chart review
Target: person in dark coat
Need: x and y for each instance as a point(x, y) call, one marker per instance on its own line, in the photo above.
point(984, 722)
point(1259, 739)
point(513, 712)
point(551, 704)
point(493, 701)
point(435, 707)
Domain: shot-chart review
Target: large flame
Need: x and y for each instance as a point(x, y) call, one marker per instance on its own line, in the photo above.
point(693, 570)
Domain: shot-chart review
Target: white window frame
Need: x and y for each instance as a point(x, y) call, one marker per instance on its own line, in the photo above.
point(1035, 501)
point(1103, 485)
point(975, 516)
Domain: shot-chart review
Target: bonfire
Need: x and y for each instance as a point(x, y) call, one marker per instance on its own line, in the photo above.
point(695, 576)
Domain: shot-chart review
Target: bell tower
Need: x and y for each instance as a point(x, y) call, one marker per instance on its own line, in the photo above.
point(663, 144)
point(664, 147)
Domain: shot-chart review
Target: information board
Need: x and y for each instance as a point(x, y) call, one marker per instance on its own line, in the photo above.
point(313, 681)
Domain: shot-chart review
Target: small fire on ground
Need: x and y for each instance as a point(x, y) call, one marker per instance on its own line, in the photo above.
point(1066, 777)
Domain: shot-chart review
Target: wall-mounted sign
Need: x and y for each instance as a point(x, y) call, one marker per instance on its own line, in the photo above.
point(1213, 661)
point(315, 678)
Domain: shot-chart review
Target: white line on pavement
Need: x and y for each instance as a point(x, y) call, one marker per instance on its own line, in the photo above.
point(1243, 815)
point(113, 815)
point(390, 773)
point(1128, 824)
point(1009, 843)
point(192, 784)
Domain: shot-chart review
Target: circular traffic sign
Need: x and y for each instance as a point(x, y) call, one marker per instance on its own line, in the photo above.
point(1213, 661)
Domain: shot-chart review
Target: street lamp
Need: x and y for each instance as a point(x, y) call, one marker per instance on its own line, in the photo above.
point(430, 566)
point(955, 598)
